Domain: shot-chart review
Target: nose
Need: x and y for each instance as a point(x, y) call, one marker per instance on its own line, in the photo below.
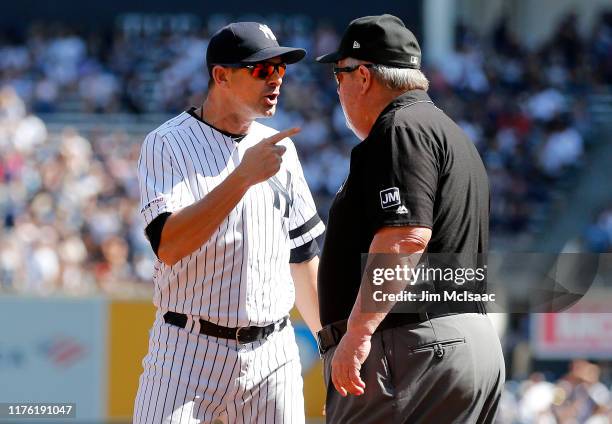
point(275, 80)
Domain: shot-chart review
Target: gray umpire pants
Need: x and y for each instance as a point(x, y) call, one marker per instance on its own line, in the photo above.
point(448, 369)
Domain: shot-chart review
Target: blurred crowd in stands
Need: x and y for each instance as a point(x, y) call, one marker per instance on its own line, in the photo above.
point(69, 200)
point(598, 235)
point(69, 208)
point(579, 396)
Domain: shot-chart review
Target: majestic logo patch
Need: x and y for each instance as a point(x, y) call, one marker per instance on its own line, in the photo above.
point(402, 210)
point(267, 31)
point(151, 203)
point(389, 197)
point(356, 45)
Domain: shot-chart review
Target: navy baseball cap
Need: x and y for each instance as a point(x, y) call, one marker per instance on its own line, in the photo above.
point(247, 42)
point(382, 40)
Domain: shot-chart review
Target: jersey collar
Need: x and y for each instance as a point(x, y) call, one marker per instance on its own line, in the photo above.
point(236, 137)
point(403, 100)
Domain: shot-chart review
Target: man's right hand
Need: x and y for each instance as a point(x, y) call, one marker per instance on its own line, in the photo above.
point(263, 160)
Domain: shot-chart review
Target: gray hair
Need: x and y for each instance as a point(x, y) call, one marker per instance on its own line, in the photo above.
point(403, 79)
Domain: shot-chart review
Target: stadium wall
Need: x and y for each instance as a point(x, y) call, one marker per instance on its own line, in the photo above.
point(88, 351)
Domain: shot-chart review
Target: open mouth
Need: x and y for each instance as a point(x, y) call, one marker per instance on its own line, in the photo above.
point(271, 99)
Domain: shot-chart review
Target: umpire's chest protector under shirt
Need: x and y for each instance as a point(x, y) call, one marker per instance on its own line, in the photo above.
point(418, 168)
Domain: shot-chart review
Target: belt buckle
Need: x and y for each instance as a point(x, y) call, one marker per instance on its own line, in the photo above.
point(238, 335)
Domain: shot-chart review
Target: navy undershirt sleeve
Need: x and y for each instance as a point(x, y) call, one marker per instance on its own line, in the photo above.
point(154, 230)
point(305, 252)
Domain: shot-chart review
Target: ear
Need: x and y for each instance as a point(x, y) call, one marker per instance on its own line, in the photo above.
point(221, 75)
point(365, 77)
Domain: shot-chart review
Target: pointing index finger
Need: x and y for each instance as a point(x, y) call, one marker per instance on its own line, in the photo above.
point(281, 135)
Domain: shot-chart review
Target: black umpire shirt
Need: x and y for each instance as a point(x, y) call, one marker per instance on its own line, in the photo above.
point(416, 167)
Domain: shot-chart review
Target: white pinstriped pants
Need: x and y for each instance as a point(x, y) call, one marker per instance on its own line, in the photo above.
point(193, 378)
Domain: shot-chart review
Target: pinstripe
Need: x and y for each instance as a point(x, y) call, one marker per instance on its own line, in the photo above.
point(256, 388)
point(181, 162)
point(243, 277)
point(206, 256)
point(265, 250)
point(180, 370)
point(172, 365)
point(267, 380)
point(161, 379)
point(275, 385)
point(208, 379)
point(201, 171)
point(252, 400)
point(200, 380)
point(217, 234)
point(264, 372)
point(222, 268)
point(273, 257)
point(218, 284)
point(218, 381)
point(235, 253)
point(252, 241)
point(285, 379)
point(190, 256)
point(174, 292)
point(228, 223)
point(154, 365)
point(219, 408)
point(260, 252)
point(244, 401)
point(142, 392)
point(154, 368)
point(189, 374)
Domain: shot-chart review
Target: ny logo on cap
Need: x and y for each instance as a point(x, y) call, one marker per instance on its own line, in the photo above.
point(267, 31)
point(356, 45)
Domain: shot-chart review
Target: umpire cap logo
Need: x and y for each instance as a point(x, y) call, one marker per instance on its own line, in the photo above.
point(389, 197)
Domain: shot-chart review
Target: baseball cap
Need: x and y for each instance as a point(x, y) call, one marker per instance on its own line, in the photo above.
point(382, 39)
point(247, 42)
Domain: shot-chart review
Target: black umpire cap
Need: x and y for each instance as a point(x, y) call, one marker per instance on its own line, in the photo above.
point(247, 42)
point(382, 40)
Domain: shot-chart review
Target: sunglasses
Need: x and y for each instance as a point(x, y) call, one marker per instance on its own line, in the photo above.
point(337, 71)
point(262, 70)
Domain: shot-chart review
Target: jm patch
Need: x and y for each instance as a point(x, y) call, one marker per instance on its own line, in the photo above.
point(389, 197)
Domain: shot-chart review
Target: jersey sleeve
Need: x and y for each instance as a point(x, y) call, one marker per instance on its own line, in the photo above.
point(304, 221)
point(162, 186)
point(400, 179)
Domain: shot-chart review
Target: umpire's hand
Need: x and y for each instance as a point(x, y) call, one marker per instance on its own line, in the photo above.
point(350, 354)
point(263, 160)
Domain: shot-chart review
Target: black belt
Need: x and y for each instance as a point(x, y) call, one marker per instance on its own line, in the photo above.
point(330, 335)
point(242, 335)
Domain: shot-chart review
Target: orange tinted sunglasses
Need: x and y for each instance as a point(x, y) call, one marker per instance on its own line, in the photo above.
point(261, 70)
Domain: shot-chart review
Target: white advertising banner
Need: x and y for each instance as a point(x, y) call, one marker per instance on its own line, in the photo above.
point(53, 351)
point(583, 331)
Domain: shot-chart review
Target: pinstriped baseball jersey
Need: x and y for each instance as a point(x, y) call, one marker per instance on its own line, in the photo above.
point(241, 275)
